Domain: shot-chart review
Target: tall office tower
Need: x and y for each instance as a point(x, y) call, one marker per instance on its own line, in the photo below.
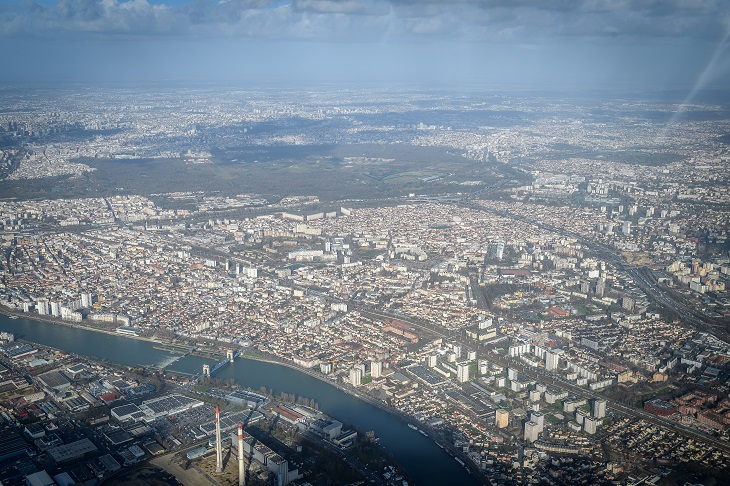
point(626, 228)
point(539, 419)
point(532, 431)
point(42, 306)
point(501, 418)
point(462, 372)
point(551, 361)
point(355, 377)
point(590, 424)
point(376, 369)
point(598, 408)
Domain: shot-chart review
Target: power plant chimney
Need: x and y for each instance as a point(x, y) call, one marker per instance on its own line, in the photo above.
point(241, 472)
point(218, 447)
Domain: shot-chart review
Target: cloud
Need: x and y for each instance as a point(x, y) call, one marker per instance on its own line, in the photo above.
point(370, 20)
point(537, 42)
point(70, 17)
point(348, 7)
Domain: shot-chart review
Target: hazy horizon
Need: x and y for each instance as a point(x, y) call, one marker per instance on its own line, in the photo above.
point(553, 45)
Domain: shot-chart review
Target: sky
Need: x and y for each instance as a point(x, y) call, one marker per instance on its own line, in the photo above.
point(543, 44)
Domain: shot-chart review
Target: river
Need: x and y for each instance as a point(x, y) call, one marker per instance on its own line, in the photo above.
point(422, 459)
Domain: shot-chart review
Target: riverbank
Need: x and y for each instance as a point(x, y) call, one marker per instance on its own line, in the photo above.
point(54, 320)
point(249, 355)
point(257, 356)
point(402, 416)
point(419, 456)
point(74, 325)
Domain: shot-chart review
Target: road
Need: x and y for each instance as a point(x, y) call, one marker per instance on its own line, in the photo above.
point(477, 292)
point(642, 278)
point(616, 406)
point(638, 274)
point(555, 381)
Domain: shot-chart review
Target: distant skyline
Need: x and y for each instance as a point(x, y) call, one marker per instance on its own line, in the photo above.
point(543, 44)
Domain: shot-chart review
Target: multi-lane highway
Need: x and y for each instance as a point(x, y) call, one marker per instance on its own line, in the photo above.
point(640, 275)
